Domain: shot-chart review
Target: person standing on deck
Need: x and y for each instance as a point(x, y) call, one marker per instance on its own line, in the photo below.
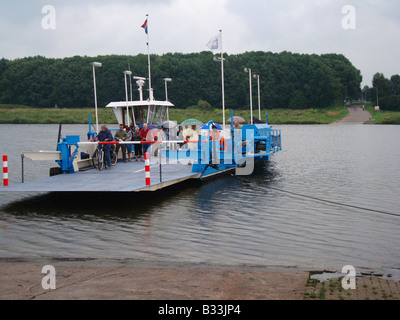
point(236, 125)
point(192, 137)
point(179, 135)
point(121, 135)
point(128, 146)
point(138, 147)
point(160, 136)
point(105, 135)
point(185, 134)
point(145, 135)
point(214, 133)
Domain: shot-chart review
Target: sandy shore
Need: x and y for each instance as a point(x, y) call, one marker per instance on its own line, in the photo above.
point(78, 281)
point(97, 279)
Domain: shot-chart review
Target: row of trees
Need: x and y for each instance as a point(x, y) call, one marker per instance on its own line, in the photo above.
point(288, 80)
point(384, 92)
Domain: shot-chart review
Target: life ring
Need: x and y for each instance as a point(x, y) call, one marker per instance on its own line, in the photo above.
point(223, 145)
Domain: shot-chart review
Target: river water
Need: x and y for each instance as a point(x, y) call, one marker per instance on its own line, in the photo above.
point(230, 221)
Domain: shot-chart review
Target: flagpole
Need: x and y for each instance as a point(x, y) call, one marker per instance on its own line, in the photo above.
point(148, 57)
point(223, 83)
point(130, 81)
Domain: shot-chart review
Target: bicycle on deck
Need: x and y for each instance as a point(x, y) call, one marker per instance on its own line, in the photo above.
point(99, 158)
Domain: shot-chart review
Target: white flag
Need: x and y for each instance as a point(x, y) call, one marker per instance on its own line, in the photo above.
point(215, 43)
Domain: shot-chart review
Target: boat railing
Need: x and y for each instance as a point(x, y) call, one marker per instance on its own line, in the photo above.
point(72, 155)
point(276, 140)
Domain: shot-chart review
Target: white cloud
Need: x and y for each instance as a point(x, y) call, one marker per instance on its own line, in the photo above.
point(304, 26)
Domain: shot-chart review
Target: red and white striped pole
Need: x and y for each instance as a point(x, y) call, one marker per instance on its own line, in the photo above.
point(5, 171)
point(147, 168)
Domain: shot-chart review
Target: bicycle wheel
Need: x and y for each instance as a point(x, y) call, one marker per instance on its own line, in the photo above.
point(114, 158)
point(100, 157)
point(95, 159)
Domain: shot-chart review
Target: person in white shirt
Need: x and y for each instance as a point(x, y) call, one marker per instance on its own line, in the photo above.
point(193, 136)
point(185, 135)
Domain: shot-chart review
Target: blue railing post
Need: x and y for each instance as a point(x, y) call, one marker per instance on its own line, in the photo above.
point(90, 133)
point(67, 159)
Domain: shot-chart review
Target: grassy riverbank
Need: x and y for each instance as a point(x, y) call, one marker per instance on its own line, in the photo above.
point(27, 115)
point(275, 116)
point(16, 114)
point(384, 117)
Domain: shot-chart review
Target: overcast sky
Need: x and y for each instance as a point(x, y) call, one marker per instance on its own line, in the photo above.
point(100, 27)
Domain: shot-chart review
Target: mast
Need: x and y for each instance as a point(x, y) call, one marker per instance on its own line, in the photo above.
point(127, 73)
point(223, 82)
point(148, 58)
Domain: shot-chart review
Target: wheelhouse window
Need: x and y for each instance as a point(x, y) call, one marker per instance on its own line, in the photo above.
point(157, 114)
point(140, 115)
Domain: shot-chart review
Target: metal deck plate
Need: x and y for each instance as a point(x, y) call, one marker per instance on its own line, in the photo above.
point(123, 177)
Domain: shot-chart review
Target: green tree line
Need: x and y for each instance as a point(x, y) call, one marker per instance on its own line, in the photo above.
point(287, 80)
point(384, 92)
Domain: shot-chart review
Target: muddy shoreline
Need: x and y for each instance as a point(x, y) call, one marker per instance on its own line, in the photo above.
point(113, 279)
point(94, 280)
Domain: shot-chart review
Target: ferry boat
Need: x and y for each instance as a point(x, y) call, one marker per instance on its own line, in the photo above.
point(170, 161)
point(235, 150)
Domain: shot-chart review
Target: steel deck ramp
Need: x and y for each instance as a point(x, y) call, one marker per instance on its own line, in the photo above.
point(123, 177)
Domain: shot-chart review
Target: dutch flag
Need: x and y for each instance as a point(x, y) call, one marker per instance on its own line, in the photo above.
point(145, 27)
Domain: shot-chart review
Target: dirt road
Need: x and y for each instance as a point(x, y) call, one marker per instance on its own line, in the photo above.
point(356, 116)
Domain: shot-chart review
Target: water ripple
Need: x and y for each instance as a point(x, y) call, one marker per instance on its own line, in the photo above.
point(237, 220)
